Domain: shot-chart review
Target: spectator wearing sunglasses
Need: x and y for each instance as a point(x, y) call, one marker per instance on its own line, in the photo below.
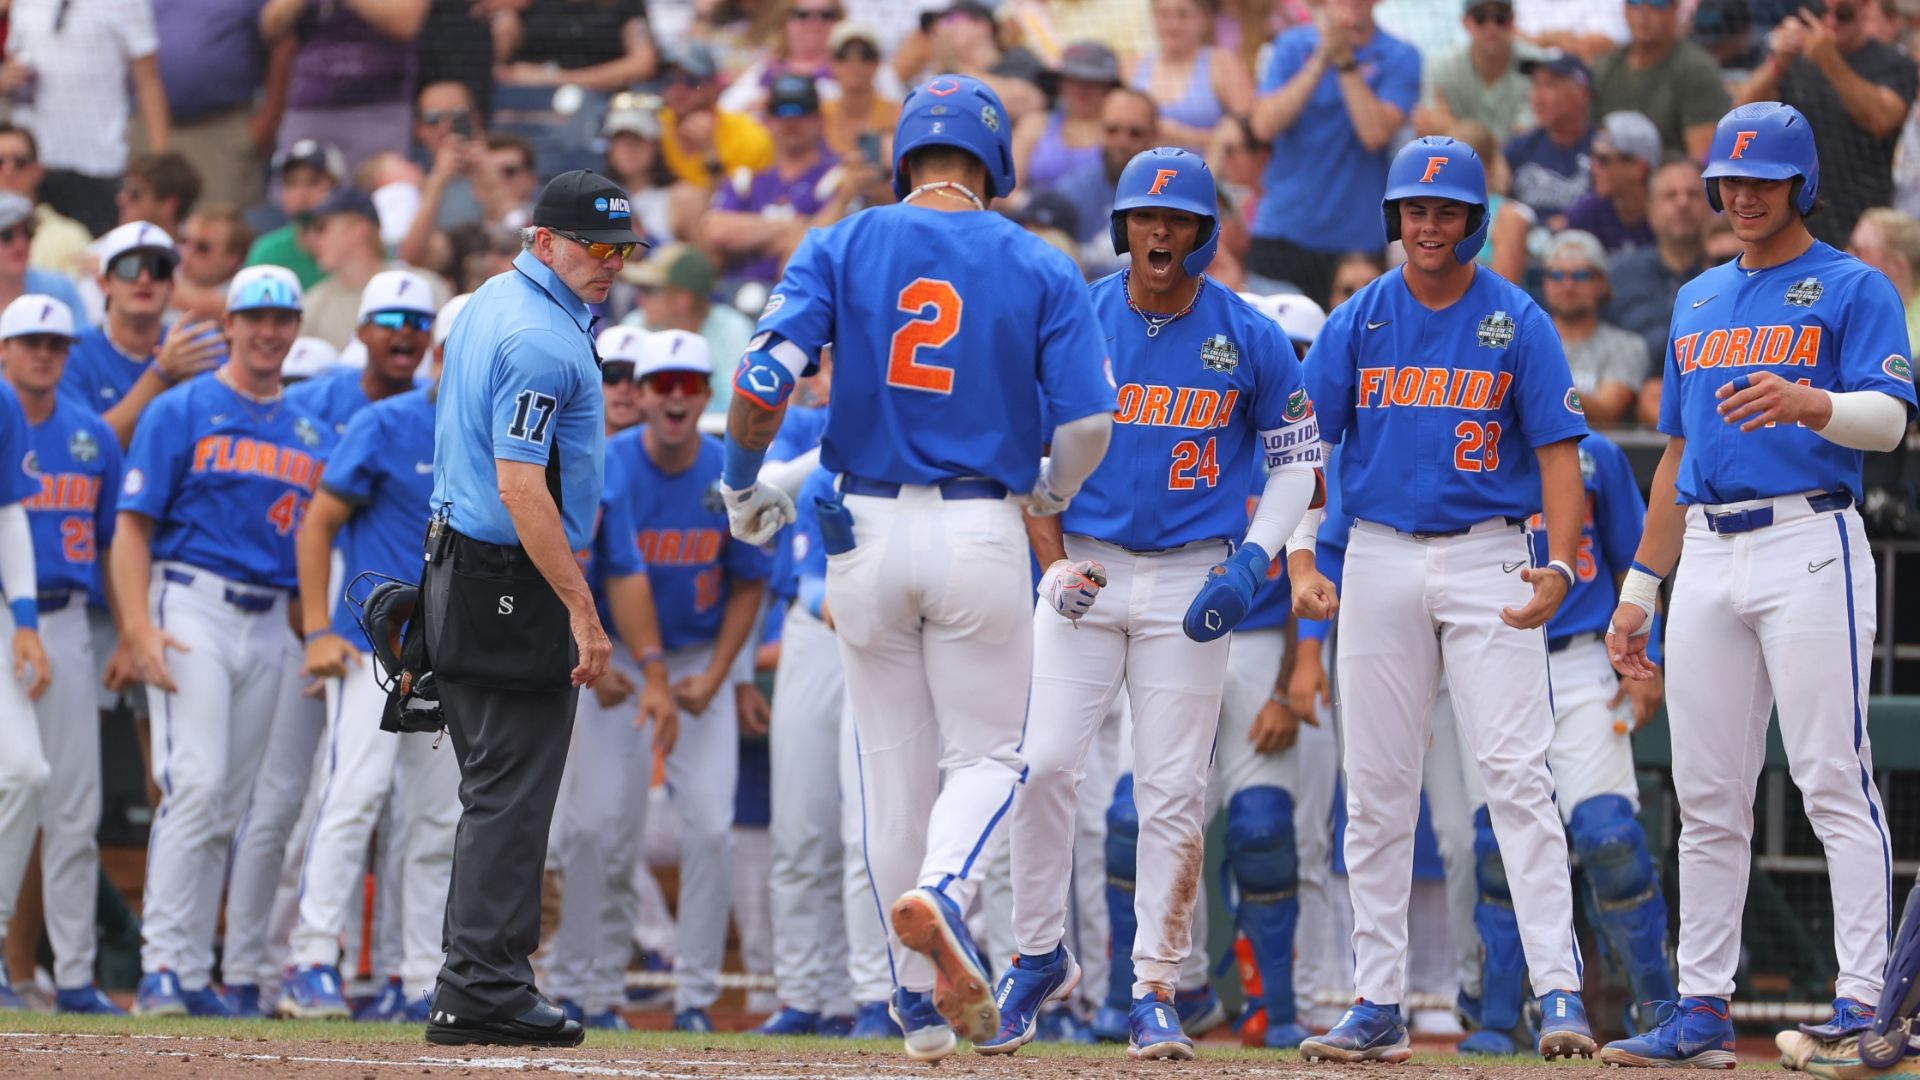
point(511, 158)
point(1626, 150)
point(1608, 363)
point(1481, 80)
point(1855, 92)
point(59, 242)
point(862, 109)
point(1663, 77)
point(345, 237)
point(134, 355)
point(619, 348)
point(703, 143)
point(18, 275)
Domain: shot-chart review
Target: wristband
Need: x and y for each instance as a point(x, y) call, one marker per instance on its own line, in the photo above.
point(1565, 571)
point(1278, 698)
point(741, 469)
point(308, 637)
point(26, 613)
point(649, 654)
point(1647, 570)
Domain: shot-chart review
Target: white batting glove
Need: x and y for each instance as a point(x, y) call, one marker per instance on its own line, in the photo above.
point(756, 512)
point(1072, 587)
point(1043, 500)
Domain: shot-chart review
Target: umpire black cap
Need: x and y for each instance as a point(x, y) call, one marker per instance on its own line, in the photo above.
point(587, 205)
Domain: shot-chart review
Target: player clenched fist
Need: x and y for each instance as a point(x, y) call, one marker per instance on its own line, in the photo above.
point(1072, 587)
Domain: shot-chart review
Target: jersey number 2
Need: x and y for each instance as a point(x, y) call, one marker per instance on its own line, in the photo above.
point(925, 330)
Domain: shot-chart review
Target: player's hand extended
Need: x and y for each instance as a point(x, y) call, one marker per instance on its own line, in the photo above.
point(1275, 728)
point(750, 705)
point(119, 674)
point(1072, 587)
point(1549, 588)
point(148, 651)
point(1627, 642)
point(613, 688)
point(329, 657)
point(695, 692)
point(192, 346)
point(1762, 398)
point(756, 512)
point(1309, 681)
point(1645, 694)
point(1314, 596)
point(595, 648)
point(28, 652)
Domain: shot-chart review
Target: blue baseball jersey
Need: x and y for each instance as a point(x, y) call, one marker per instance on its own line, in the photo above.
point(1825, 319)
point(1200, 404)
point(383, 467)
point(98, 373)
point(799, 433)
point(332, 398)
point(950, 331)
point(17, 479)
point(225, 480)
point(1609, 535)
point(1437, 413)
point(678, 525)
point(78, 459)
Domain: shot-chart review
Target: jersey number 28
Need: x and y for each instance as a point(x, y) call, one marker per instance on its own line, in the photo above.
point(929, 329)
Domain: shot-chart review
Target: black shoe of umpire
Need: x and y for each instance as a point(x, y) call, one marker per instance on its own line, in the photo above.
point(542, 1025)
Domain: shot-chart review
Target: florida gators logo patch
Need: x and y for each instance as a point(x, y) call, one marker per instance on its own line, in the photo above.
point(1298, 407)
point(1897, 366)
point(1572, 402)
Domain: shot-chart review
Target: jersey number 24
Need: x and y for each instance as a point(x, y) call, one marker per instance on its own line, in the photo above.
point(929, 329)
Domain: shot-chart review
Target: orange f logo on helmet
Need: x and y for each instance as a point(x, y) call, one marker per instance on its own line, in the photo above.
point(1740, 141)
point(1160, 178)
point(1433, 169)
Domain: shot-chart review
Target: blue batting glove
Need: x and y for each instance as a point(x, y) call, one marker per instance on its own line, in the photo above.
point(1227, 595)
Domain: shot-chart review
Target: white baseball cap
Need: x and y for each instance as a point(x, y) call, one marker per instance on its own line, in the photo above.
point(443, 323)
point(135, 236)
point(673, 350)
point(35, 314)
point(396, 290)
point(264, 287)
point(1299, 317)
point(621, 344)
point(309, 356)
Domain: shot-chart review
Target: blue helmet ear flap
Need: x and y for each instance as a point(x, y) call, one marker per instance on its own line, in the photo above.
point(1201, 256)
point(1479, 223)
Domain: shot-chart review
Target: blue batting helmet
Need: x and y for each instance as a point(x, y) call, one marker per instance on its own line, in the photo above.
point(961, 112)
point(1765, 141)
point(1178, 180)
point(1437, 167)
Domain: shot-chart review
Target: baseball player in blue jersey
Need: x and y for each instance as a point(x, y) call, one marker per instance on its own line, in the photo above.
point(944, 361)
point(23, 766)
point(1208, 386)
point(1756, 490)
point(1449, 396)
point(217, 478)
point(49, 724)
point(370, 509)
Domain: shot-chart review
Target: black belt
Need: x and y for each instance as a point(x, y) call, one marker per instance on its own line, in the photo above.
point(55, 601)
point(1454, 532)
point(1741, 521)
point(1566, 641)
point(960, 487)
point(251, 603)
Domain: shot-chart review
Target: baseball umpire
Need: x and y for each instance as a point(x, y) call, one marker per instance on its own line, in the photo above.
point(511, 627)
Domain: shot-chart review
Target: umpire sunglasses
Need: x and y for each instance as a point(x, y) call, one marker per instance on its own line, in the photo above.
point(402, 320)
point(597, 250)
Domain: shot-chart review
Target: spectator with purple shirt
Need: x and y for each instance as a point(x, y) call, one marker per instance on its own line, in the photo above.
point(213, 64)
point(1626, 150)
point(754, 225)
point(1550, 162)
point(353, 71)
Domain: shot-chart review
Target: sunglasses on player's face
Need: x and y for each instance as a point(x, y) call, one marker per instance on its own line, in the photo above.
point(402, 320)
point(665, 383)
point(128, 267)
point(616, 372)
point(1491, 13)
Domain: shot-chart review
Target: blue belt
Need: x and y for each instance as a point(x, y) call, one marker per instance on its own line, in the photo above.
point(251, 603)
point(55, 601)
point(963, 487)
point(1741, 521)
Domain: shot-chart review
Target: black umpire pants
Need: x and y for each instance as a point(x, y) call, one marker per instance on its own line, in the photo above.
point(512, 747)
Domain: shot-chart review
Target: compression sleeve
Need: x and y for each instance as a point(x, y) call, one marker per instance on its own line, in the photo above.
point(1283, 503)
point(1865, 420)
point(17, 576)
point(1078, 446)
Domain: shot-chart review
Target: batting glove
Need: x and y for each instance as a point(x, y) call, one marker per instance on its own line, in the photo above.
point(757, 511)
point(1227, 595)
point(1043, 500)
point(1072, 587)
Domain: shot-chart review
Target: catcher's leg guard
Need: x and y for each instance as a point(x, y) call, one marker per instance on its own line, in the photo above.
point(1883, 1046)
point(1503, 965)
point(1266, 869)
point(1612, 851)
point(1123, 835)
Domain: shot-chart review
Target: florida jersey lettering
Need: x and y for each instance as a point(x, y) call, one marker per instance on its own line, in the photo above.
point(1746, 346)
point(679, 547)
point(255, 457)
point(78, 463)
point(1432, 388)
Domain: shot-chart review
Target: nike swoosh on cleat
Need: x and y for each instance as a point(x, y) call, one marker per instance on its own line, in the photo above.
point(1371, 325)
point(1510, 567)
point(1814, 568)
point(1697, 303)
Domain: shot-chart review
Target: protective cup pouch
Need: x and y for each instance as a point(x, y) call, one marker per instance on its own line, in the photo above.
point(836, 526)
point(502, 626)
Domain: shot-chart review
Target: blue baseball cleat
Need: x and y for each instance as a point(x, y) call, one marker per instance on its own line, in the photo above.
point(1154, 1032)
point(929, 923)
point(926, 1032)
point(695, 1020)
point(1200, 1010)
point(1028, 986)
point(86, 1000)
point(244, 1000)
point(313, 993)
point(874, 1020)
point(1287, 1036)
point(607, 1019)
point(1109, 1024)
point(1485, 1043)
point(1367, 1032)
point(570, 1009)
point(419, 1010)
point(1227, 595)
point(207, 1002)
point(159, 995)
point(385, 1007)
point(1058, 1024)
point(1850, 1017)
point(790, 1021)
point(9, 1000)
point(835, 1027)
point(1692, 1033)
point(1563, 1026)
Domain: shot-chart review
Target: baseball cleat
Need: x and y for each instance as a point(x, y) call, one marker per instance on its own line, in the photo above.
point(874, 1020)
point(927, 1035)
point(384, 1007)
point(244, 1000)
point(208, 1003)
point(1286, 1036)
point(419, 1010)
point(87, 1000)
point(1154, 1032)
point(1484, 1043)
point(1200, 1010)
point(1109, 1024)
point(9, 1000)
point(1058, 1024)
point(607, 1019)
point(836, 1027)
point(159, 995)
point(1563, 1026)
point(695, 1020)
point(930, 924)
point(1029, 985)
point(1692, 1033)
point(1367, 1032)
point(313, 993)
point(1796, 1049)
point(790, 1021)
point(1850, 1017)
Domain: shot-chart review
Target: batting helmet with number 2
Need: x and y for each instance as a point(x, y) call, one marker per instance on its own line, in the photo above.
point(961, 112)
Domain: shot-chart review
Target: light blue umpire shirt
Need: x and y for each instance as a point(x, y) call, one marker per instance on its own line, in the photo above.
point(521, 383)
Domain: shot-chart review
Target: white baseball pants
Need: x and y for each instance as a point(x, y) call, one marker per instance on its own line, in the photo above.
point(934, 612)
point(1451, 782)
point(869, 967)
point(208, 741)
point(1409, 603)
point(1782, 614)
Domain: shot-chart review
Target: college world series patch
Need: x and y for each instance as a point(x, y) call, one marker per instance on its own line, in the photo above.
point(1804, 292)
point(1495, 331)
point(1219, 354)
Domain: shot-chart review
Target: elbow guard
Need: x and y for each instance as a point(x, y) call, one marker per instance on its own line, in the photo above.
point(770, 370)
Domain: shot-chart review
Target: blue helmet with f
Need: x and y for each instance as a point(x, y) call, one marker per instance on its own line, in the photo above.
point(1175, 179)
point(1765, 140)
point(961, 112)
point(1437, 167)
